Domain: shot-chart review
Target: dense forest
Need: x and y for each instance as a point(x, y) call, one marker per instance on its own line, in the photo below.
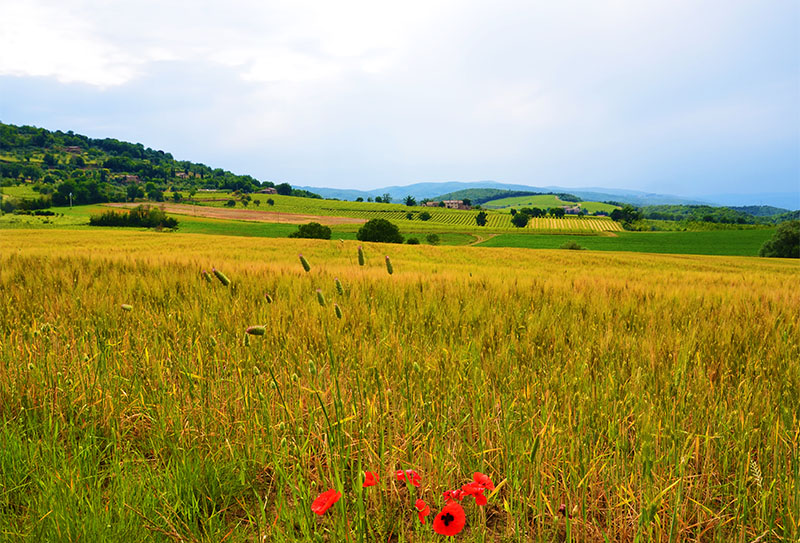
point(725, 215)
point(58, 164)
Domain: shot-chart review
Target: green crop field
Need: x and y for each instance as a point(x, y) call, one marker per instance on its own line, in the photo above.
point(646, 397)
point(714, 242)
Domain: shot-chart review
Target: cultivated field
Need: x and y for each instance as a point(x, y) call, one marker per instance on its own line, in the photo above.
point(656, 397)
point(398, 213)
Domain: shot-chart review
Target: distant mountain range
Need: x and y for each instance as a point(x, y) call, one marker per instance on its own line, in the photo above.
point(420, 191)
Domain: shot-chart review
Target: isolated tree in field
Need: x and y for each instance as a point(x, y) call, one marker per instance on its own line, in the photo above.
point(379, 230)
point(284, 189)
point(520, 220)
point(424, 216)
point(270, 202)
point(480, 218)
point(785, 243)
point(410, 201)
point(231, 203)
point(387, 198)
point(628, 213)
point(312, 230)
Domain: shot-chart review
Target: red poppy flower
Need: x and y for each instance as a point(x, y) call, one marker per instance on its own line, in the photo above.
point(325, 500)
point(454, 495)
point(422, 510)
point(413, 477)
point(476, 491)
point(450, 520)
point(370, 478)
point(483, 480)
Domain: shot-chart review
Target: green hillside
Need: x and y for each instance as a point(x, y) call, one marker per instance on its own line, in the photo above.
point(546, 201)
point(51, 165)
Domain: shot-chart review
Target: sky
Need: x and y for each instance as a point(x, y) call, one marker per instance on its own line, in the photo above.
point(677, 97)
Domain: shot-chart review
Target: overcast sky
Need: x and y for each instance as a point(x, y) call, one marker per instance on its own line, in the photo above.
point(681, 97)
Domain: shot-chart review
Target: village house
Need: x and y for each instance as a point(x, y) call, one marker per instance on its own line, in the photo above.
point(572, 210)
point(267, 190)
point(72, 149)
point(449, 204)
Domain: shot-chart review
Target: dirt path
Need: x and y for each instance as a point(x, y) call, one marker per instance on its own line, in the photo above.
point(246, 214)
point(480, 238)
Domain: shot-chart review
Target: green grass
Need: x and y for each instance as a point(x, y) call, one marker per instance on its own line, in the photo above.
point(718, 242)
point(19, 191)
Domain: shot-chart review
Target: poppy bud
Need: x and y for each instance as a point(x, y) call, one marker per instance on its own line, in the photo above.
point(389, 266)
point(268, 298)
point(337, 310)
point(221, 276)
point(339, 287)
point(206, 275)
point(256, 330)
point(360, 256)
point(320, 298)
point(304, 262)
point(126, 307)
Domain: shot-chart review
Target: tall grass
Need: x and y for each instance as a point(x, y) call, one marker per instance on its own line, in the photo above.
point(657, 397)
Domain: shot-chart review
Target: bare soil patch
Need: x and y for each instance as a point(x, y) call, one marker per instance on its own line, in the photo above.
point(246, 214)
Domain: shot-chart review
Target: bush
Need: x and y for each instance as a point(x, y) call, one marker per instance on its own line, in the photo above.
point(312, 230)
point(433, 239)
point(572, 245)
point(379, 230)
point(412, 241)
point(141, 216)
point(520, 220)
point(480, 218)
point(424, 216)
point(231, 203)
point(785, 243)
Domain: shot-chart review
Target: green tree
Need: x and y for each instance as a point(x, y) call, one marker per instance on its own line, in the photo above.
point(424, 216)
point(410, 201)
point(480, 218)
point(231, 203)
point(284, 189)
point(785, 243)
point(379, 230)
point(312, 230)
point(520, 220)
point(433, 239)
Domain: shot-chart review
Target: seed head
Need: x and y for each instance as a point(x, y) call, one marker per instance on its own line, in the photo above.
point(360, 256)
point(389, 266)
point(337, 310)
point(320, 298)
point(339, 287)
point(304, 262)
point(127, 307)
point(206, 275)
point(256, 330)
point(221, 276)
point(268, 298)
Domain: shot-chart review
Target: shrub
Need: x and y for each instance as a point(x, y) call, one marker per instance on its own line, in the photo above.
point(270, 202)
point(412, 241)
point(231, 203)
point(379, 230)
point(433, 239)
point(572, 245)
point(424, 216)
point(785, 243)
point(312, 230)
point(139, 216)
point(480, 218)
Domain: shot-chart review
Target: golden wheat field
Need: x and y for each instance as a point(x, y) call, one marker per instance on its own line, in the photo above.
point(608, 396)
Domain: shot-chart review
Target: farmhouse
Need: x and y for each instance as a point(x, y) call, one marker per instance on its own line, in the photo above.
point(72, 149)
point(449, 204)
point(267, 190)
point(572, 210)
